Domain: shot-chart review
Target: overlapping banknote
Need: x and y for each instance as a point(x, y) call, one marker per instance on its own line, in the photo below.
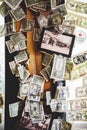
point(79, 20)
point(78, 7)
point(77, 10)
point(77, 115)
point(79, 71)
point(4, 9)
point(7, 29)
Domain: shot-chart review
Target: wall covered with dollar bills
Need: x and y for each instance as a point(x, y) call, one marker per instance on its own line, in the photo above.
point(45, 64)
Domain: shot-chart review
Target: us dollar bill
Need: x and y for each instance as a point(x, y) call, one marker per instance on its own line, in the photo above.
point(6, 29)
point(27, 25)
point(29, 3)
point(61, 9)
point(77, 104)
point(13, 67)
point(68, 23)
point(13, 4)
point(39, 80)
point(77, 6)
point(61, 93)
point(36, 34)
point(68, 69)
point(18, 14)
point(79, 71)
point(79, 20)
point(53, 105)
point(46, 58)
point(81, 92)
point(22, 45)
point(42, 5)
point(13, 47)
point(4, 8)
point(25, 75)
point(58, 68)
point(65, 29)
point(13, 109)
point(77, 115)
point(48, 97)
point(53, 4)
point(60, 124)
point(10, 46)
point(44, 73)
point(34, 92)
point(18, 37)
point(21, 56)
point(36, 110)
point(23, 89)
point(21, 71)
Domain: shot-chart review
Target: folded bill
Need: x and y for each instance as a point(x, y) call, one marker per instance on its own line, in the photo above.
point(13, 109)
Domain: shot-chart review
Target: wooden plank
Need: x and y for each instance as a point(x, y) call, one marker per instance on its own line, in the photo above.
point(35, 55)
point(18, 24)
point(31, 47)
point(35, 65)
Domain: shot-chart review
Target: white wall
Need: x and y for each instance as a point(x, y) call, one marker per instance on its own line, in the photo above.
point(2, 72)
